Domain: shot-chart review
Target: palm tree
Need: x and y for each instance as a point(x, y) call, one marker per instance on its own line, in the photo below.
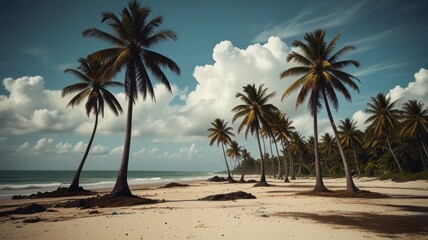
point(384, 119)
point(351, 138)
point(415, 122)
point(328, 147)
point(256, 112)
point(297, 147)
point(235, 151)
point(322, 75)
point(133, 34)
point(246, 156)
point(93, 87)
point(284, 130)
point(221, 133)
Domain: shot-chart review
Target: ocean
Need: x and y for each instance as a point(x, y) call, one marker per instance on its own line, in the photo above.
point(29, 182)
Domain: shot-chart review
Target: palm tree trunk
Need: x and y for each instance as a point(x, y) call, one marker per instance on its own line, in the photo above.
point(262, 181)
point(356, 162)
point(229, 178)
point(423, 146)
point(327, 166)
point(121, 187)
point(292, 174)
point(393, 155)
point(74, 186)
point(319, 184)
point(350, 186)
point(285, 163)
point(300, 165)
point(271, 153)
point(279, 161)
point(242, 171)
point(422, 158)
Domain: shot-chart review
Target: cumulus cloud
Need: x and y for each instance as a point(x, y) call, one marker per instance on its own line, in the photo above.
point(415, 90)
point(31, 108)
point(49, 146)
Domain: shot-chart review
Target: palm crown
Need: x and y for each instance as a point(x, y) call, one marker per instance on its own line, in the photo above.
point(321, 70)
point(92, 86)
point(256, 110)
point(220, 132)
point(384, 116)
point(133, 35)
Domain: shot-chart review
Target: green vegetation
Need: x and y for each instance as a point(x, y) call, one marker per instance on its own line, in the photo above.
point(395, 139)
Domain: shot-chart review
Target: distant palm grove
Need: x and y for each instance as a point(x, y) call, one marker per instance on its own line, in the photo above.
point(394, 141)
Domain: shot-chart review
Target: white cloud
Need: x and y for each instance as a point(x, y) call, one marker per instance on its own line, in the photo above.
point(415, 90)
point(49, 146)
point(117, 150)
point(30, 108)
point(100, 150)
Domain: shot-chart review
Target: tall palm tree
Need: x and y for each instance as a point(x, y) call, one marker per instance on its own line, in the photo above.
point(221, 134)
point(414, 120)
point(256, 112)
point(235, 151)
point(132, 37)
point(322, 74)
point(351, 138)
point(93, 87)
point(384, 119)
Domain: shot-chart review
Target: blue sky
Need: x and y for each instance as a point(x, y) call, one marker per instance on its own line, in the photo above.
point(222, 46)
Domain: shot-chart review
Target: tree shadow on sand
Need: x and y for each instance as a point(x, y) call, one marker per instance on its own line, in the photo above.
point(107, 201)
point(383, 224)
point(59, 192)
point(344, 194)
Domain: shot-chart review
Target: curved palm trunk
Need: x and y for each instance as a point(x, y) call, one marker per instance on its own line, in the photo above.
point(74, 186)
point(319, 184)
point(285, 163)
point(392, 152)
point(422, 158)
point(350, 186)
point(279, 161)
point(357, 164)
point(271, 153)
point(121, 187)
point(292, 174)
point(262, 181)
point(242, 180)
point(229, 178)
point(423, 146)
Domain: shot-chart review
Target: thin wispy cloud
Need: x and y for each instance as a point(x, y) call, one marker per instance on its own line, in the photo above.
point(376, 68)
point(306, 21)
point(375, 40)
point(38, 53)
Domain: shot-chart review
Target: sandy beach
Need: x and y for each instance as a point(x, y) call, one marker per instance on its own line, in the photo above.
point(279, 212)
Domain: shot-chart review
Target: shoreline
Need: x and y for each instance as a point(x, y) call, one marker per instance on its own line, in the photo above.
point(277, 213)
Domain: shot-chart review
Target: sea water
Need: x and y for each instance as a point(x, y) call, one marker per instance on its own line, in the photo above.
point(29, 182)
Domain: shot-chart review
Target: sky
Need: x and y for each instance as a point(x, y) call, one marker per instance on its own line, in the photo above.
point(222, 46)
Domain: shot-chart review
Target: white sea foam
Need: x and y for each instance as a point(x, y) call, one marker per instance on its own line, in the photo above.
point(30, 186)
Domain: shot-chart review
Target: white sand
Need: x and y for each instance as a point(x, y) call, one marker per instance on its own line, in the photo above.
point(277, 213)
